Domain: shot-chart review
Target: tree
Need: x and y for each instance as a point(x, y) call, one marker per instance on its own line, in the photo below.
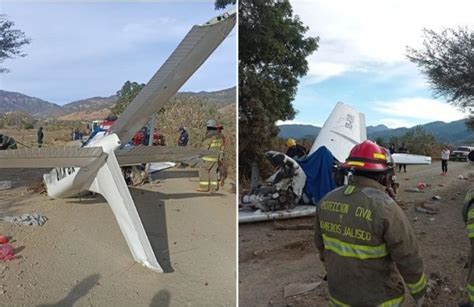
point(447, 59)
point(380, 141)
point(272, 56)
point(125, 95)
point(11, 41)
point(221, 4)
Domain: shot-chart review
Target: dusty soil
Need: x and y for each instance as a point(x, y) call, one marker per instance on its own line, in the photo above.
point(270, 259)
point(80, 257)
point(28, 138)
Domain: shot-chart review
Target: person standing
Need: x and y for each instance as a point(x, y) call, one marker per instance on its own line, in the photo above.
point(392, 149)
point(295, 151)
point(444, 160)
point(40, 137)
point(208, 172)
point(7, 142)
point(183, 137)
point(402, 149)
point(364, 238)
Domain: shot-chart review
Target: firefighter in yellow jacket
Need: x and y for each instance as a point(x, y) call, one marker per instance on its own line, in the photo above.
point(365, 239)
point(468, 216)
point(208, 173)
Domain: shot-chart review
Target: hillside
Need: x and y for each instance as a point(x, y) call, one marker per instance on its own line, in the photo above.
point(90, 108)
point(298, 131)
point(455, 133)
point(225, 97)
point(17, 102)
point(90, 104)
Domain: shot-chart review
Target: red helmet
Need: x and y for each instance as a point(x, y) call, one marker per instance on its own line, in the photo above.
point(367, 156)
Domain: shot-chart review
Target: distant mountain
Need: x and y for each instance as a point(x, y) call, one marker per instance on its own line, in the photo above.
point(225, 97)
point(17, 102)
point(298, 131)
point(378, 128)
point(90, 104)
point(89, 108)
point(455, 133)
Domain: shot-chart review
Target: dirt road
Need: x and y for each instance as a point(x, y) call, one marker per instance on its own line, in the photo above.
point(271, 259)
point(80, 257)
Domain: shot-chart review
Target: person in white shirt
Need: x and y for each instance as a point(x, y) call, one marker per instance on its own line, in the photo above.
point(444, 160)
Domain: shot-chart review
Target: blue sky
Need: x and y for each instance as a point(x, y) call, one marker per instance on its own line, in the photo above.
point(361, 59)
point(81, 50)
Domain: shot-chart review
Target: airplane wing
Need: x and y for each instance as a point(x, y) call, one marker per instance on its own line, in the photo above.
point(402, 158)
point(150, 154)
point(193, 50)
point(344, 128)
point(109, 183)
point(49, 157)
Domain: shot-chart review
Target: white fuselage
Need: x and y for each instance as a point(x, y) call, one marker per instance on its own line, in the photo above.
point(70, 181)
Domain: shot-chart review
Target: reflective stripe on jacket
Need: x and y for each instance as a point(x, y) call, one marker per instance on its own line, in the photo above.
point(363, 237)
point(215, 142)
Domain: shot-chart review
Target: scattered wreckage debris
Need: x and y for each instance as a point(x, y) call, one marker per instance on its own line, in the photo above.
point(6, 252)
point(38, 187)
point(6, 184)
point(300, 288)
point(422, 185)
point(427, 208)
point(437, 286)
point(294, 227)
point(135, 175)
point(283, 190)
point(414, 190)
point(25, 219)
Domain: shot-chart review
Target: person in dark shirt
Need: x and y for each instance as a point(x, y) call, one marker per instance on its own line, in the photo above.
point(183, 137)
point(295, 151)
point(7, 142)
point(392, 149)
point(402, 149)
point(146, 136)
point(40, 136)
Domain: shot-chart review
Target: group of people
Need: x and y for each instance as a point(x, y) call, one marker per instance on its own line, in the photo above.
point(366, 241)
point(402, 149)
point(76, 134)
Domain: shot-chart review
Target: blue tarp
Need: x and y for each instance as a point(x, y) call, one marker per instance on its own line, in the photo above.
point(319, 177)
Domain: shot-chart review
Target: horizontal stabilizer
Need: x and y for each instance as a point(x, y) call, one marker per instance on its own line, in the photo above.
point(150, 154)
point(193, 50)
point(49, 157)
point(402, 158)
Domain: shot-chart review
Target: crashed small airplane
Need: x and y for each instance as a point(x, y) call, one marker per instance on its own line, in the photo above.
point(283, 195)
point(95, 166)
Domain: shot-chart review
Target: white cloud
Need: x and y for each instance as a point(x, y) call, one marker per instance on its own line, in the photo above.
point(360, 35)
point(422, 109)
point(320, 71)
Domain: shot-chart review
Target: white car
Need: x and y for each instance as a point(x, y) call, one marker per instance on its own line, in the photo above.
point(461, 153)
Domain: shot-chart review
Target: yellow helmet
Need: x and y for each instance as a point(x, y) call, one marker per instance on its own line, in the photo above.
point(290, 143)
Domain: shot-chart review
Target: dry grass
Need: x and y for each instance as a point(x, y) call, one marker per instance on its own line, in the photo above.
point(193, 113)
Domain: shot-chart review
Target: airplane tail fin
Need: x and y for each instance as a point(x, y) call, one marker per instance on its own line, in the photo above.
point(344, 128)
point(109, 183)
